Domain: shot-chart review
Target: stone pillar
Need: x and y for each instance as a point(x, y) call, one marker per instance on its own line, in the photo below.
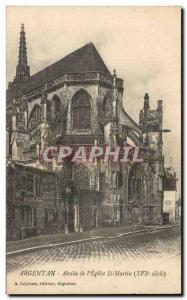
point(80, 220)
point(145, 190)
point(44, 112)
point(14, 150)
point(60, 221)
point(14, 114)
point(113, 206)
point(25, 111)
point(37, 154)
point(43, 132)
point(97, 218)
point(44, 103)
point(94, 110)
point(37, 150)
point(145, 199)
point(160, 111)
point(26, 119)
point(76, 217)
point(32, 217)
point(124, 196)
point(14, 127)
point(66, 229)
point(118, 208)
point(68, 101)
point(68, 128)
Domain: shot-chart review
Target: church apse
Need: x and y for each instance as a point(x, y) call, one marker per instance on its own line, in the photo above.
point(78, 102)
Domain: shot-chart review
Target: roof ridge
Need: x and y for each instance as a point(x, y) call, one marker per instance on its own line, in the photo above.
point(83, 59)
point(59, 60)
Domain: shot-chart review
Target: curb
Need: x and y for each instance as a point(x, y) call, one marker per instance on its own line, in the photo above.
point(161, 228)
point(48, 246)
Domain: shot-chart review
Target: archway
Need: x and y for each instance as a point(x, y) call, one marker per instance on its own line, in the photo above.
point(136, 182)
point(81, 176)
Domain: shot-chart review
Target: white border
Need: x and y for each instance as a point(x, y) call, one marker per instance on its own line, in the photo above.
point(3, 5)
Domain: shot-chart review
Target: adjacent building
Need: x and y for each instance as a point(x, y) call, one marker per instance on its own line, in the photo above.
point(170, 194)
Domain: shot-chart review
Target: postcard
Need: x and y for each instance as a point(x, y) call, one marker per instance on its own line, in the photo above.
point(93, 124)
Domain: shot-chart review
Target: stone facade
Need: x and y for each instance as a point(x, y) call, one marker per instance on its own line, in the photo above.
point(44, 110)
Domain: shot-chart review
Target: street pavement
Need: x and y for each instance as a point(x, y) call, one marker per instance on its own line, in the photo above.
point(160, 244)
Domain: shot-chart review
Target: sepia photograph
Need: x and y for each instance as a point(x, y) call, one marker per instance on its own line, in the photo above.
point(93, 150)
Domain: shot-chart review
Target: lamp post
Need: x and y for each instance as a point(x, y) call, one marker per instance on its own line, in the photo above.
point(68, 192)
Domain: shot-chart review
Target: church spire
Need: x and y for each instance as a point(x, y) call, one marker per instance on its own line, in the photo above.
point(22, 69)
point(146, 101)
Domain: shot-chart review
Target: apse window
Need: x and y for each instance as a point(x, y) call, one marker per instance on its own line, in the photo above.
point(81, 111)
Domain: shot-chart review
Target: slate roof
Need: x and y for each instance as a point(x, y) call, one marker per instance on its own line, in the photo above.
point(84, 59)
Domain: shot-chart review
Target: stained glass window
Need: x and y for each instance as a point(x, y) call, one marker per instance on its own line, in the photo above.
point(81, 111)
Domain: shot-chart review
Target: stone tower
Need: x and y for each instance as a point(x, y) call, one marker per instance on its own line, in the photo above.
point(151, 123)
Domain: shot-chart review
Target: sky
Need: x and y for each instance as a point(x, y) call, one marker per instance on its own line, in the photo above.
point(141, 43)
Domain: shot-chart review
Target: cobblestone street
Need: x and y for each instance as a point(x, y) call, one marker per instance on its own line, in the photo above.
point(162, 245)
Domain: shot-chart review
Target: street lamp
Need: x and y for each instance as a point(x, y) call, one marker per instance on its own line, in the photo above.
point(67, 192)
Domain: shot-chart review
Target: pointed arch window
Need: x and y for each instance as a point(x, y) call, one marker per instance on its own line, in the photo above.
point(56, 106)
point(135, 184)
point(81, 111)
point(56, 115)
point(35, 117)
point(82, 177)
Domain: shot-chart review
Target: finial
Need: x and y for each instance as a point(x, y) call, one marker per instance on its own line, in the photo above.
point(44, 94)
point(146, 101)
point(114, 77)
point(146, 97)
point(159, 104)
point(22, 27)
point(22, 69)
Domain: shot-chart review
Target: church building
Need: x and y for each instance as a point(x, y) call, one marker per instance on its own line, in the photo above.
point(76, 102)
